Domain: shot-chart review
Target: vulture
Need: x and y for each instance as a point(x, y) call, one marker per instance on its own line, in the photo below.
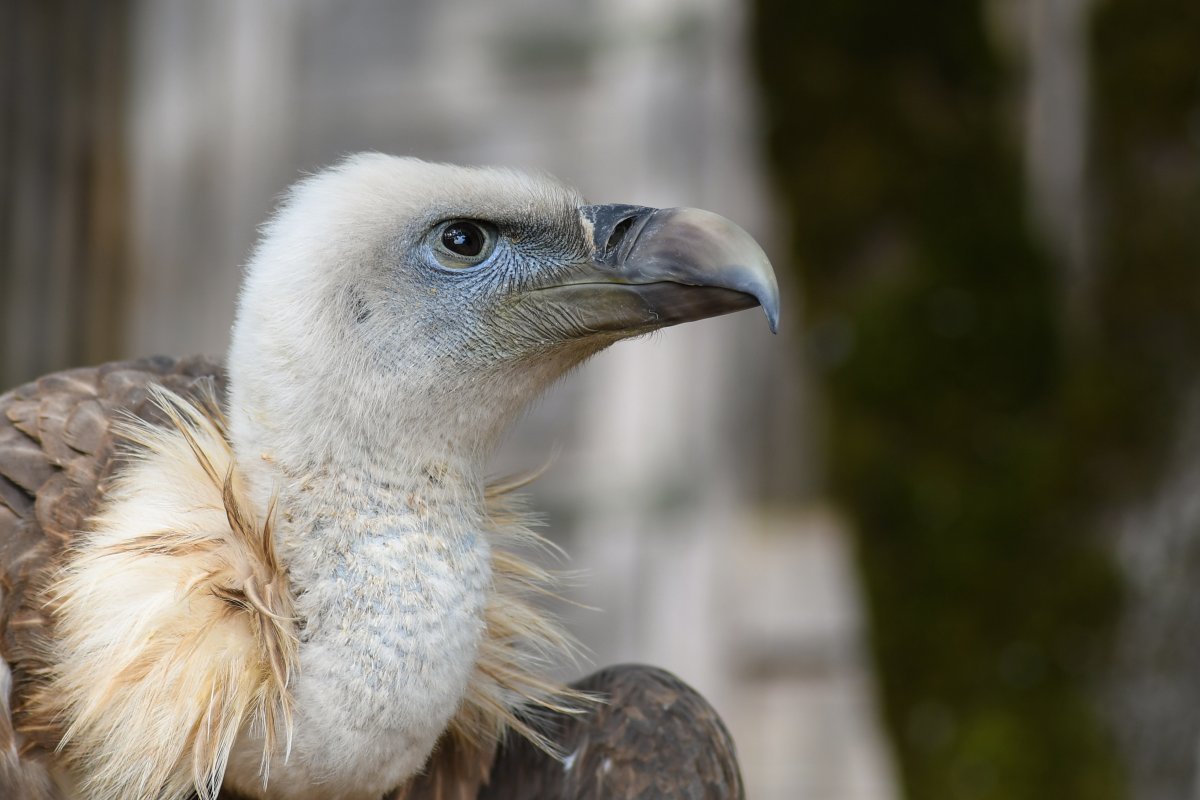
point(286, 577)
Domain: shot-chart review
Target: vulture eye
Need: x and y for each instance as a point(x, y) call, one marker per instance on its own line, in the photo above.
point(462, 243)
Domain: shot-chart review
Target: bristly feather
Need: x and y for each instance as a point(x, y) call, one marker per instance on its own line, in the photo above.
point(521, 642)
point(173, 623)
point(507, 689)
point(174, 628)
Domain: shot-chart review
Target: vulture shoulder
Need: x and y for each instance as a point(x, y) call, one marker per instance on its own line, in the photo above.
point(57, 453)
point(651, 736)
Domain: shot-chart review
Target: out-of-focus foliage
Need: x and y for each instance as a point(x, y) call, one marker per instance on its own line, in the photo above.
point(1144, 354)
point(1145, 347)
point(979, 433)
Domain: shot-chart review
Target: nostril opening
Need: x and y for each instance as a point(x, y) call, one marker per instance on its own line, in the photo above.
point(620, 230)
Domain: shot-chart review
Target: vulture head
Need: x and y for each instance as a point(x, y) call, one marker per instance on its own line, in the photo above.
point(408, 309)
point(298, 586)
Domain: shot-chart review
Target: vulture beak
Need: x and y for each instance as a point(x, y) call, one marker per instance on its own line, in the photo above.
point(651, 268)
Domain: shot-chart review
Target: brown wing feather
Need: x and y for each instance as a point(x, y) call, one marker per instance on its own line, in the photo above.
point(55, 453)
point(655, 737)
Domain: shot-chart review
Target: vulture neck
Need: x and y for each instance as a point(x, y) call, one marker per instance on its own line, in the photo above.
point(388, 429)
point(377, 478)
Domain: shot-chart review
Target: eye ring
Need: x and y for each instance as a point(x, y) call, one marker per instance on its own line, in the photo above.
point(463, 243)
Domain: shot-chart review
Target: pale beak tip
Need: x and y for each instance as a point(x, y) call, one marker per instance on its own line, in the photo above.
point(766, 292)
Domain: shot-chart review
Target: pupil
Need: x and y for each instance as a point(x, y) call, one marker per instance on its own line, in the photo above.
point(463, 239)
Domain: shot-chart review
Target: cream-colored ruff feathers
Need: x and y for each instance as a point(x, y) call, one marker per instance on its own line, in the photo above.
point(174, 627)
point(173, 623)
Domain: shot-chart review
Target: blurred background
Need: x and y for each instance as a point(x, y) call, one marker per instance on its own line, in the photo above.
point(938, 539)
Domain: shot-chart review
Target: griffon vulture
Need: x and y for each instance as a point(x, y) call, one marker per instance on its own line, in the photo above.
point(287, 578)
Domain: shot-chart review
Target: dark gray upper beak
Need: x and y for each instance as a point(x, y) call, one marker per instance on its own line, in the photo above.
point(685, 263)
point(656, 267)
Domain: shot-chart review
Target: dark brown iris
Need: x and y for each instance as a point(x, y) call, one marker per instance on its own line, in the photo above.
point(464, 238)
